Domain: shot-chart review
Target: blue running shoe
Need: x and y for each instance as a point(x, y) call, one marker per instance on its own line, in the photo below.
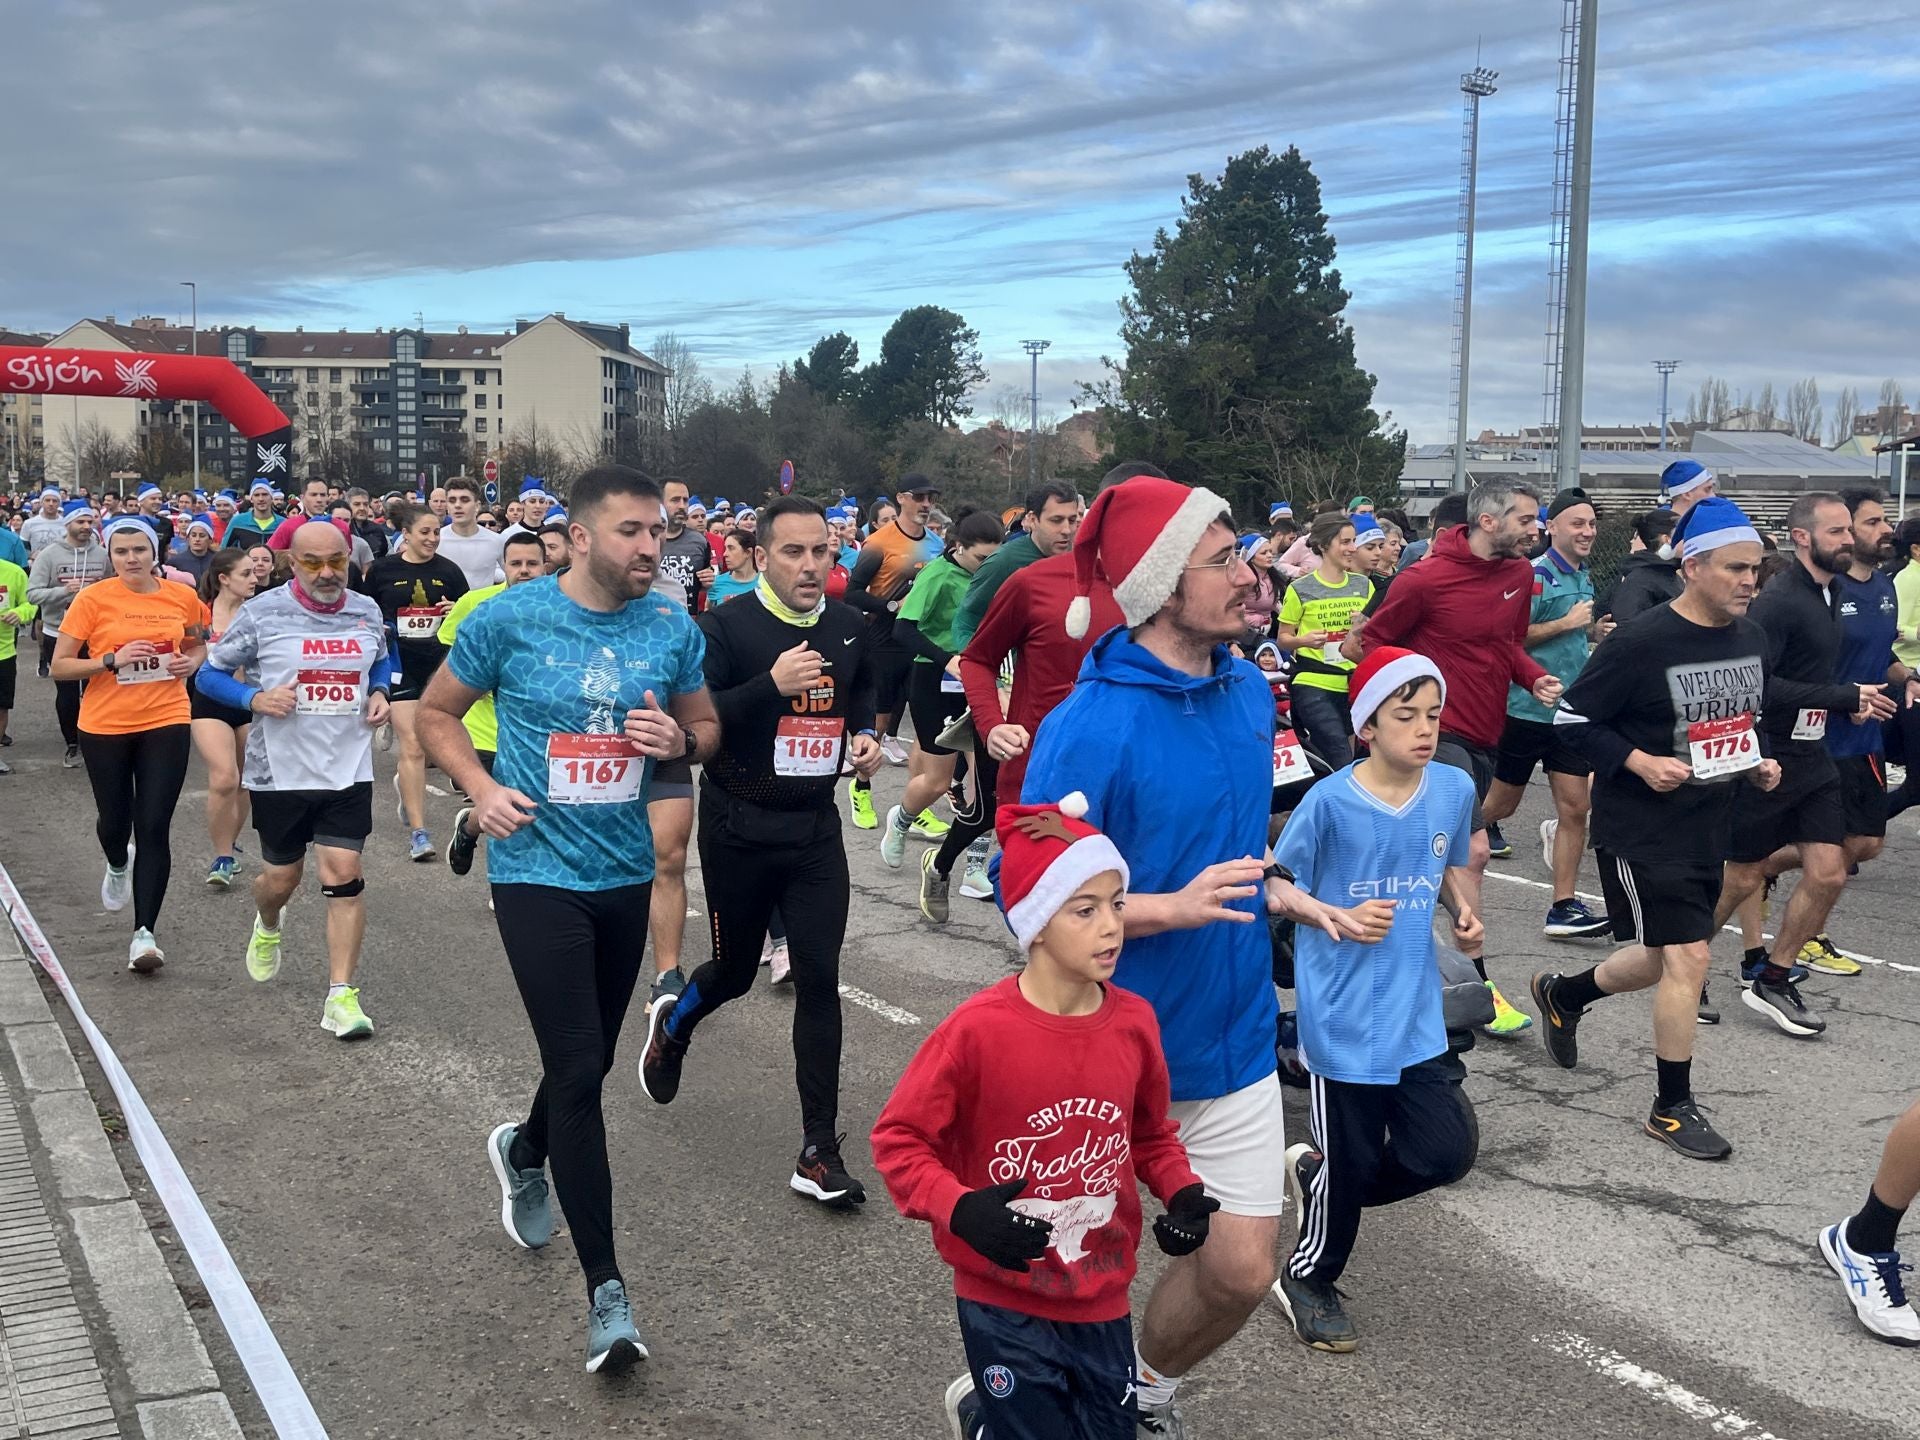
point(525, 1210)
point(613, 1343)
point(1572, 920)
point(1498, 846)
point(220, 873)
point(1750, 971)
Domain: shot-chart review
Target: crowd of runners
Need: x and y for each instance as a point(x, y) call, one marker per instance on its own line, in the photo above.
point(636, 675)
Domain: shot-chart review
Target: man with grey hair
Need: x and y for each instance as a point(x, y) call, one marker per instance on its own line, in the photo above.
point(1466, 608)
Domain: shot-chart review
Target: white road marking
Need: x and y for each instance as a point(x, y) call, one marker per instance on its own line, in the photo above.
point(880, 1007)
point(1616, 1366)
point(1729, 929)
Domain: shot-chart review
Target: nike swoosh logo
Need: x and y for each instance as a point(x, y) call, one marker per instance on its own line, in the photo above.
point(1509, 594)
point(848, 641)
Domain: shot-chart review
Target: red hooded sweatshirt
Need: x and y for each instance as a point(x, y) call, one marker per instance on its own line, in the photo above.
point(1469, 616)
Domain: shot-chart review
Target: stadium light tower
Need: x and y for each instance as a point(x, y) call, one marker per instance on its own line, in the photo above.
point(1475, 85)
point(1567, 245)
point(1033, 348)
point(1666, 369)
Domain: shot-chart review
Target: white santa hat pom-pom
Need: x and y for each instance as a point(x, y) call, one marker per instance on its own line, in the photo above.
point(1074, 805)
point(1079, 617)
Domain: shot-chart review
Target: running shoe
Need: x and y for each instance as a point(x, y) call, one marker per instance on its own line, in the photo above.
point(525, 1211)
point(342, 1017)
point(1706, 1014)
point(220, 873)
point(892, 750)
point(1572, 920)
point(613, 1341)
point(976, 883)
point(143, 955)
point(821, 1174)
point(384, 739)
point(1820, 954)
point(71, 760)
point(1498, 846)
point(660, 1062)
point(1684, 1128)
point(780, 964)
point(1874, 1287)
point(893, 839)
point(766, 950)
point(116, 889)
point(963, 1406)
point(668, 982)
point(1318, 1318)
point(1782, 1005)
point(1303, 1163)
point(421, 847)
point(263, 952)
point(929, 826)
point(957, 796)
point(461, 848)
point(933, 889)
point(46, 670)
point(1548, 829)
point(1163, 1421)
point(399, 800)
point(5, 769)
point(1507, 1023)
point(1750, 970)
point(862, 799)
point(1559, 1026)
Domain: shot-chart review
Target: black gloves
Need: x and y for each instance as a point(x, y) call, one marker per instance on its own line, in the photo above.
point(1009, 1239)
point(1183, 1229)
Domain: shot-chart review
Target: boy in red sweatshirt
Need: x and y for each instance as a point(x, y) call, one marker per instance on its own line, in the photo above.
point(1018, 1131)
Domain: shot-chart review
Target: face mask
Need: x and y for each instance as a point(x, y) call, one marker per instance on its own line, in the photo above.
point(1665, 552)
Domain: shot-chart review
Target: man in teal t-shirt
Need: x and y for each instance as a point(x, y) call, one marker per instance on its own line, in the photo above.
point(1558, 632)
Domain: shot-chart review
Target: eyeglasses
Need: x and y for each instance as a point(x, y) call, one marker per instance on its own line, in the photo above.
point(1227, 562)
point(314, 564)
point(487, 522)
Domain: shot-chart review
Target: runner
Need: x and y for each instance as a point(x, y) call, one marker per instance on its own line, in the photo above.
point(44, 525)
point(792, 682)
point(313, 506)
point(686, 562)
point(1558, 627)
point(1047, 526)
point(593, 682)
point(415, 587)
point(554, 542)
point(142, 637)
point(1800, 614)
point(220, 731)
point(1666, 713)
point(1466, 607)
point(1651, 575)
point(1166, 686)
point(1862, 1250)
point(1318, 610)
point(934, 692)
point(1684, 484)
point(256, 527)
point(463, 540)
point(16, 616)
point(741, 573)
point(318, 672)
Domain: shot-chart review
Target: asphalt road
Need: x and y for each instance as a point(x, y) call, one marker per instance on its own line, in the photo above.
point(1582, 1281)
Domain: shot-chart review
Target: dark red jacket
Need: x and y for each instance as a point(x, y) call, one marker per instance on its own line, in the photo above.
point(1469, 616)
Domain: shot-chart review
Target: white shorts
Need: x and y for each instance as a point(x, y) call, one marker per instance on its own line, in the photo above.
point(1237, 1145)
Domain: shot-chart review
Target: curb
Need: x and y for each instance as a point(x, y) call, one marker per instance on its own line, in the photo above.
point(176, 1394)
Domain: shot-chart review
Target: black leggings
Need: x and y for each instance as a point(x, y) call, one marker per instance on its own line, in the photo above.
point(809, 886)
point(66, 709)
point(136, 783)
point(972, 820)
point(575, 955)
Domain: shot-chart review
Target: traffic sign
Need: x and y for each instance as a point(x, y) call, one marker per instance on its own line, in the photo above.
point(492, 491)
point(490, 472)
point(786, 477)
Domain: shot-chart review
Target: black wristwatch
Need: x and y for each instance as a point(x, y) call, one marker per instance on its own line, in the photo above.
point(1276, 871)
point(686, 735)
point(110, 662)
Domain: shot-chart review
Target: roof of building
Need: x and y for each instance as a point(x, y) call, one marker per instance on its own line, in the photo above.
point(1760, 458)
point(14, 337)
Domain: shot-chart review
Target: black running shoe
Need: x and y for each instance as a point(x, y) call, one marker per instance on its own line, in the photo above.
point(1498, 846)
point(1782, 1004)
point(1683, 1127)
point(1706, 1014)
point(821, 1175)
point(660, 1061)
point(1557, 1026)
point(669, 982)
point(1318, 1317)
point(461, 847)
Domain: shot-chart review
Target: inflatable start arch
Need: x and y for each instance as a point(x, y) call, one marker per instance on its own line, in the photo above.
point(113, 374)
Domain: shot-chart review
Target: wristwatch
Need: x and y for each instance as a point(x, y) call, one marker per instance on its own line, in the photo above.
point(1276, 871)
point(686, 737)
point(110, 662)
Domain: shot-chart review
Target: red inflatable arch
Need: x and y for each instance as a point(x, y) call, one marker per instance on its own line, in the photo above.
point(114, 374)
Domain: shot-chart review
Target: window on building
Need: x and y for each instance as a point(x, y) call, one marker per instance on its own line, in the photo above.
point(479, 402)
point(479, 377)
point(333, 376)
point(380, 442)
point(480, 425)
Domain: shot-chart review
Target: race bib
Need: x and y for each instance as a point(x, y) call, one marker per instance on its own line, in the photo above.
point(326, 692)
point(1810, 725)
point(413, 623)
point(950, 684)
point(147, 671)
point(593, 769)
point(1289, 759)
point(1722, 747)
point(807, 745)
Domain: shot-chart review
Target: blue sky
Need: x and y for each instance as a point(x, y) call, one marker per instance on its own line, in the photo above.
point(753, 174)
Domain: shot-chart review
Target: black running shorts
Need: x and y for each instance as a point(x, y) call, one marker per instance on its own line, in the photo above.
point(9, 669)
point(890, 666)
point(1807, 807)
point(932, 708)
point(1863, 794)
point(672, 780)
point(1659, 902)
point(1527, 743)
point(1478, 763)
point(288, 821)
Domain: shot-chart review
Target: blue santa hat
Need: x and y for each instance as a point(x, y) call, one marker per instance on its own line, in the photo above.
point(720, 503)
point(553, 514)
point(232, 497)
point(131, 522)
point(696, 503)
point(145, 488)
point(745, 512)
point(1684, 475)
point(1714, 522)
point(1279, 510)
point(1367, 531)
point(200, 522)
point(531, 485)
point(50, 490)
point(1247, 541)
point(77, 507)
point(259, 485)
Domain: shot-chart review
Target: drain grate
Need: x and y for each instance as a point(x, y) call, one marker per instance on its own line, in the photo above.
point(50, 1383)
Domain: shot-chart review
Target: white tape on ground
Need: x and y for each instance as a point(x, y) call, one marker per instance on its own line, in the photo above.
point(273, 1380)
point(1616, 1366)
point(879, 1006)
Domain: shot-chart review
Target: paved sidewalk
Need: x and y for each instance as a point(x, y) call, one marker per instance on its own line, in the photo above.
point(95, 1340)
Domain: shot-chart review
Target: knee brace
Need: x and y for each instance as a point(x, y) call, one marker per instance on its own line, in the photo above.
point(344, 891)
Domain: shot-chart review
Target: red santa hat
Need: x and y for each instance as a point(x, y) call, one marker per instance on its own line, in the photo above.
point(1384, 671)
point(1047, 853)
point(1137, 537)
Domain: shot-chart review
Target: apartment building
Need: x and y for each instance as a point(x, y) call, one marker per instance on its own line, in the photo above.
point(22, 420)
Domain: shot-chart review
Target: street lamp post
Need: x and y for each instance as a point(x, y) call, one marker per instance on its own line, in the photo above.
point(1476, 85)
point(1033, 348)
point(1666, 369)
point(193, 342)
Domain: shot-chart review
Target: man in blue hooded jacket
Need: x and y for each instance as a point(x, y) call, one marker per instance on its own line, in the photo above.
point(1164, 694)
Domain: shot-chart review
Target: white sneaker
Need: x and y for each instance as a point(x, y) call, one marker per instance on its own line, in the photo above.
point(117, 888)
point(766, 951)
point(143, 955)
point(1548, 829)
point(893, 750)
point(399, 800)
point(782, 964)
point(1873, 1285)
point(893, 838)
point(975, 883)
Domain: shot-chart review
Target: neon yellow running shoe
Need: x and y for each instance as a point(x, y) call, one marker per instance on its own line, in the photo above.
point(263, 952)
point(1820, 955)
point(343, 1017)
point(1508, 1023)
point(863, 816)
point(929, 826)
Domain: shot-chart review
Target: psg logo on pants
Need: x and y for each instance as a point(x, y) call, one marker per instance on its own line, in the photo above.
point(998, 1380)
